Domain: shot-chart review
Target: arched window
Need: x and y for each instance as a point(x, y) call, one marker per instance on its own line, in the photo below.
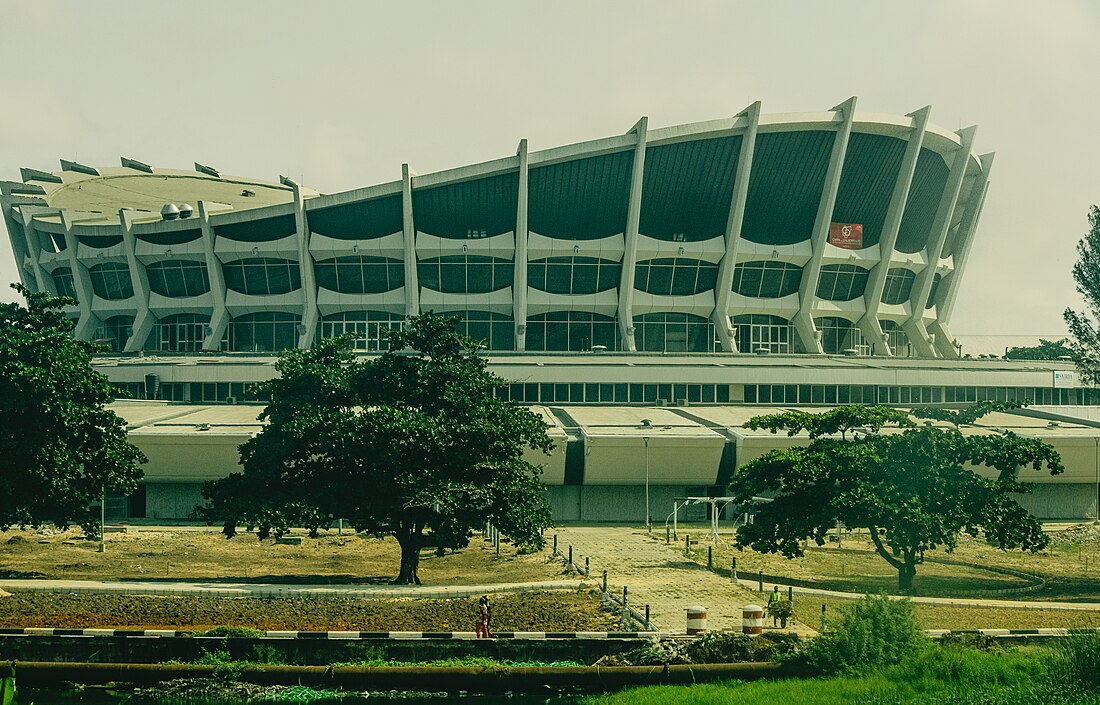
point(571, 330)
point(266, 331)
point(759, 331)
point(63, 282)
point(767, 279)
point(675, 276)
point(261, 276)
point(495, 330)
point(178, 278)
point(841, 282)
point(183, 332)
point(111, 281)
point(573, 275)
point(899, 284)
point(114, 332)
point(360, 275)
point(673, 332)
point(896, 338)
point(838, 335)
point(366, 328)
point(465, 274)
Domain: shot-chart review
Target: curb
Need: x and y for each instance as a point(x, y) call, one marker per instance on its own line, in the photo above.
point(168, 633)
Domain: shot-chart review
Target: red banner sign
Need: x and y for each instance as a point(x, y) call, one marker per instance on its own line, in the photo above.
point(846, 235)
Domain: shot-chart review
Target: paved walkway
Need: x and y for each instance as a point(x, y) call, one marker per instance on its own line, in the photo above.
point(657, 575)
point(215, 589)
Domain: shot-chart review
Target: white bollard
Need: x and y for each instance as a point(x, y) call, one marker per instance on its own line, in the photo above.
point(752, 619)
point(696, 620)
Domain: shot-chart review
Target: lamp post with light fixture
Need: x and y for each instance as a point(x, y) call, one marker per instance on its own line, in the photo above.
point(646, 423)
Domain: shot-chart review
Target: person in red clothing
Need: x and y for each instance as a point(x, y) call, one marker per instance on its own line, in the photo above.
point(484, 617)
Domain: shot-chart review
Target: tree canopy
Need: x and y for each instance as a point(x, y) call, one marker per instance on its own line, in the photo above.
point(912, 487)
point(411, 444)
point(61, 447)
point(1083, 325)
point(1045, 350)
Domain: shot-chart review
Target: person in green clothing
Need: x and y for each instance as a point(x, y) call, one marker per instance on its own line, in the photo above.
point(774, 601)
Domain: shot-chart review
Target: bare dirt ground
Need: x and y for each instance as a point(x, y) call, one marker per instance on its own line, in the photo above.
point(201, 553)
point(539, 611)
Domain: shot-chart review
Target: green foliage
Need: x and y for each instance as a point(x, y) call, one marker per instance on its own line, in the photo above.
point(840, 420)
point(913, 490)
point(411, 444)
point(7, 684)
point(874, 631)
point(233, 632)
point(61, 447)
point(1045, 350)
point(1076, 660)
point(300, 694)
point(1083, 325)
point(734, 648)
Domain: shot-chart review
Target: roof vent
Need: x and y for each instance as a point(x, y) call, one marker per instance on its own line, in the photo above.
point(169, 211)
point(850, 352)
point(647, 423)
point(248, 193)
point(599, 348)
point(763, 351)
point(1052, 424)
point(186, 211)
point(202, 427)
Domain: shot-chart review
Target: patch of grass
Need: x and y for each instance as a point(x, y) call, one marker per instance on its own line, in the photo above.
point(233, 632)
point(807, 609)
point(459, 662)
point(299, 694)
point(938, 675)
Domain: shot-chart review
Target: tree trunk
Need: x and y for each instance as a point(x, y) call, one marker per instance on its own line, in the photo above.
point(906, 571)
point(410, 559)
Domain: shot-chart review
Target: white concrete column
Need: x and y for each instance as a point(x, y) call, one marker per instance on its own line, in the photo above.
point(949, 287)
point(143, 318)
point(42, 281)
point(412, 283)
point(219, 316)
point(630, 252)
point(869, 325)
point(724, 287)
point(807, 291)
point(310, 314)
point(914, 327)
point(88, 321)
point(519, 283)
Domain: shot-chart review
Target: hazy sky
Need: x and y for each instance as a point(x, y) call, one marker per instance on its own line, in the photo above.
point(339, 94)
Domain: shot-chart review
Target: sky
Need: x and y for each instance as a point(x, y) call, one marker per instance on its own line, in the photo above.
point(339, 94)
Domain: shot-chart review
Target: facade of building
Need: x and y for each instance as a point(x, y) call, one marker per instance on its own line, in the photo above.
point(803, 233)
point(710, 271)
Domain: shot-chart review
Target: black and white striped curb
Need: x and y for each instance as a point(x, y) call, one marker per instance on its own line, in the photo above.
point(1046, 631)
point(48, 631)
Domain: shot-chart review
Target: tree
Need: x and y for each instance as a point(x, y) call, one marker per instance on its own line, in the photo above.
point(1045, 350)
point(1083, 326)
point(912, 488)
point(62, 449)
point(411, 444)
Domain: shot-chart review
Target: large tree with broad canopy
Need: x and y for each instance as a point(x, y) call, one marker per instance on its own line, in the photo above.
point(61, 448)
point(913, 488)
point(411, 444)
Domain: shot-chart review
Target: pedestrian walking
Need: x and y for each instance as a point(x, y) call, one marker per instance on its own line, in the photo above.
point(484, 617)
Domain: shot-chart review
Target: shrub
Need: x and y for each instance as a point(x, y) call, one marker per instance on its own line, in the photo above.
point(1076, 660)
point(233, 632)
point(874, 631)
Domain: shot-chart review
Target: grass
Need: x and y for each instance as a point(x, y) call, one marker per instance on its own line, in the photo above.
point(807, 609)
point(939, 675)
point(1070, 566)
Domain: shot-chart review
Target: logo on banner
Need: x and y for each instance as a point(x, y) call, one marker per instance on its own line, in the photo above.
point(846, 235)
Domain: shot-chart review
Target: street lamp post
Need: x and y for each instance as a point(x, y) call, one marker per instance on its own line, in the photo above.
point(648, 519)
